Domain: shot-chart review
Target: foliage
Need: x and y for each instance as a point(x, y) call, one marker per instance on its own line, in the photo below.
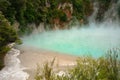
point(82, 8)
point(46, 73)
point(36, 11)
point(4, 5)
point(104, 6)
point(119, 11)
point(7, 34)
point(87, 68)
point(45, 11)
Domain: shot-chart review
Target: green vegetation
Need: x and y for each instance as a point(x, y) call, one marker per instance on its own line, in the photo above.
point(82, 9)
point(7, 35)
point(46, 11)
point(104, 6)
point(87, 68)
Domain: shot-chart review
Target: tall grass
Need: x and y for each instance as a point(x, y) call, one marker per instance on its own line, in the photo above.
point(87, 68)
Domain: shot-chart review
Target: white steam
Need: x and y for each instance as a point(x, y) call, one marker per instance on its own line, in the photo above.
point(94, 38)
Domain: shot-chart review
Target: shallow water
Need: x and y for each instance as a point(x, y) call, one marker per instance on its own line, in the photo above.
point(94, 40)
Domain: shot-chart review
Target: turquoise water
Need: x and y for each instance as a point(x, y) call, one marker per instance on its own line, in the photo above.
point(79, 42)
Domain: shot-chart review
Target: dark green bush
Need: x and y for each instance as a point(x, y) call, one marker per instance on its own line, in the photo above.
point(7, 35)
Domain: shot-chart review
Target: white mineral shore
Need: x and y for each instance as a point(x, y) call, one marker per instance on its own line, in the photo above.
point(30, 57)
point(13, 69)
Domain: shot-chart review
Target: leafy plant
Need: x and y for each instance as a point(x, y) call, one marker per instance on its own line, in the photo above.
point(46, 73)
point(7, 35)
point(87, 68)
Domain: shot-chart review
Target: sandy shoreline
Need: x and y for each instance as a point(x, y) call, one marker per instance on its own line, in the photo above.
point(30, 57)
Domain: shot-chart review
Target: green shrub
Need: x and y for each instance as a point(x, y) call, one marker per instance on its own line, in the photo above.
point(87, 68)
point(7, 35)
point(46, 72)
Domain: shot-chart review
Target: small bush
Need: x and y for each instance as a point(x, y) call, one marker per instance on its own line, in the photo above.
point(87, 68)
point(46, 73)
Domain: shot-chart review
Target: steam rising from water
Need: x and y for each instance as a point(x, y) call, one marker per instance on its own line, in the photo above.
point(93, 39)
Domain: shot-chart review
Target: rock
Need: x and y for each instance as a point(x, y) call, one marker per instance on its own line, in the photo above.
point(11, 45)
point(13, 69)
point(61, 73)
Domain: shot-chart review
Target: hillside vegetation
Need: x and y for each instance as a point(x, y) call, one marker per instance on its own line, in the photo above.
point(52, 12)
point(7, 35)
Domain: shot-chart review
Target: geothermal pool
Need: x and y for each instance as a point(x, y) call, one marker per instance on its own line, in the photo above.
point(94, 40)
